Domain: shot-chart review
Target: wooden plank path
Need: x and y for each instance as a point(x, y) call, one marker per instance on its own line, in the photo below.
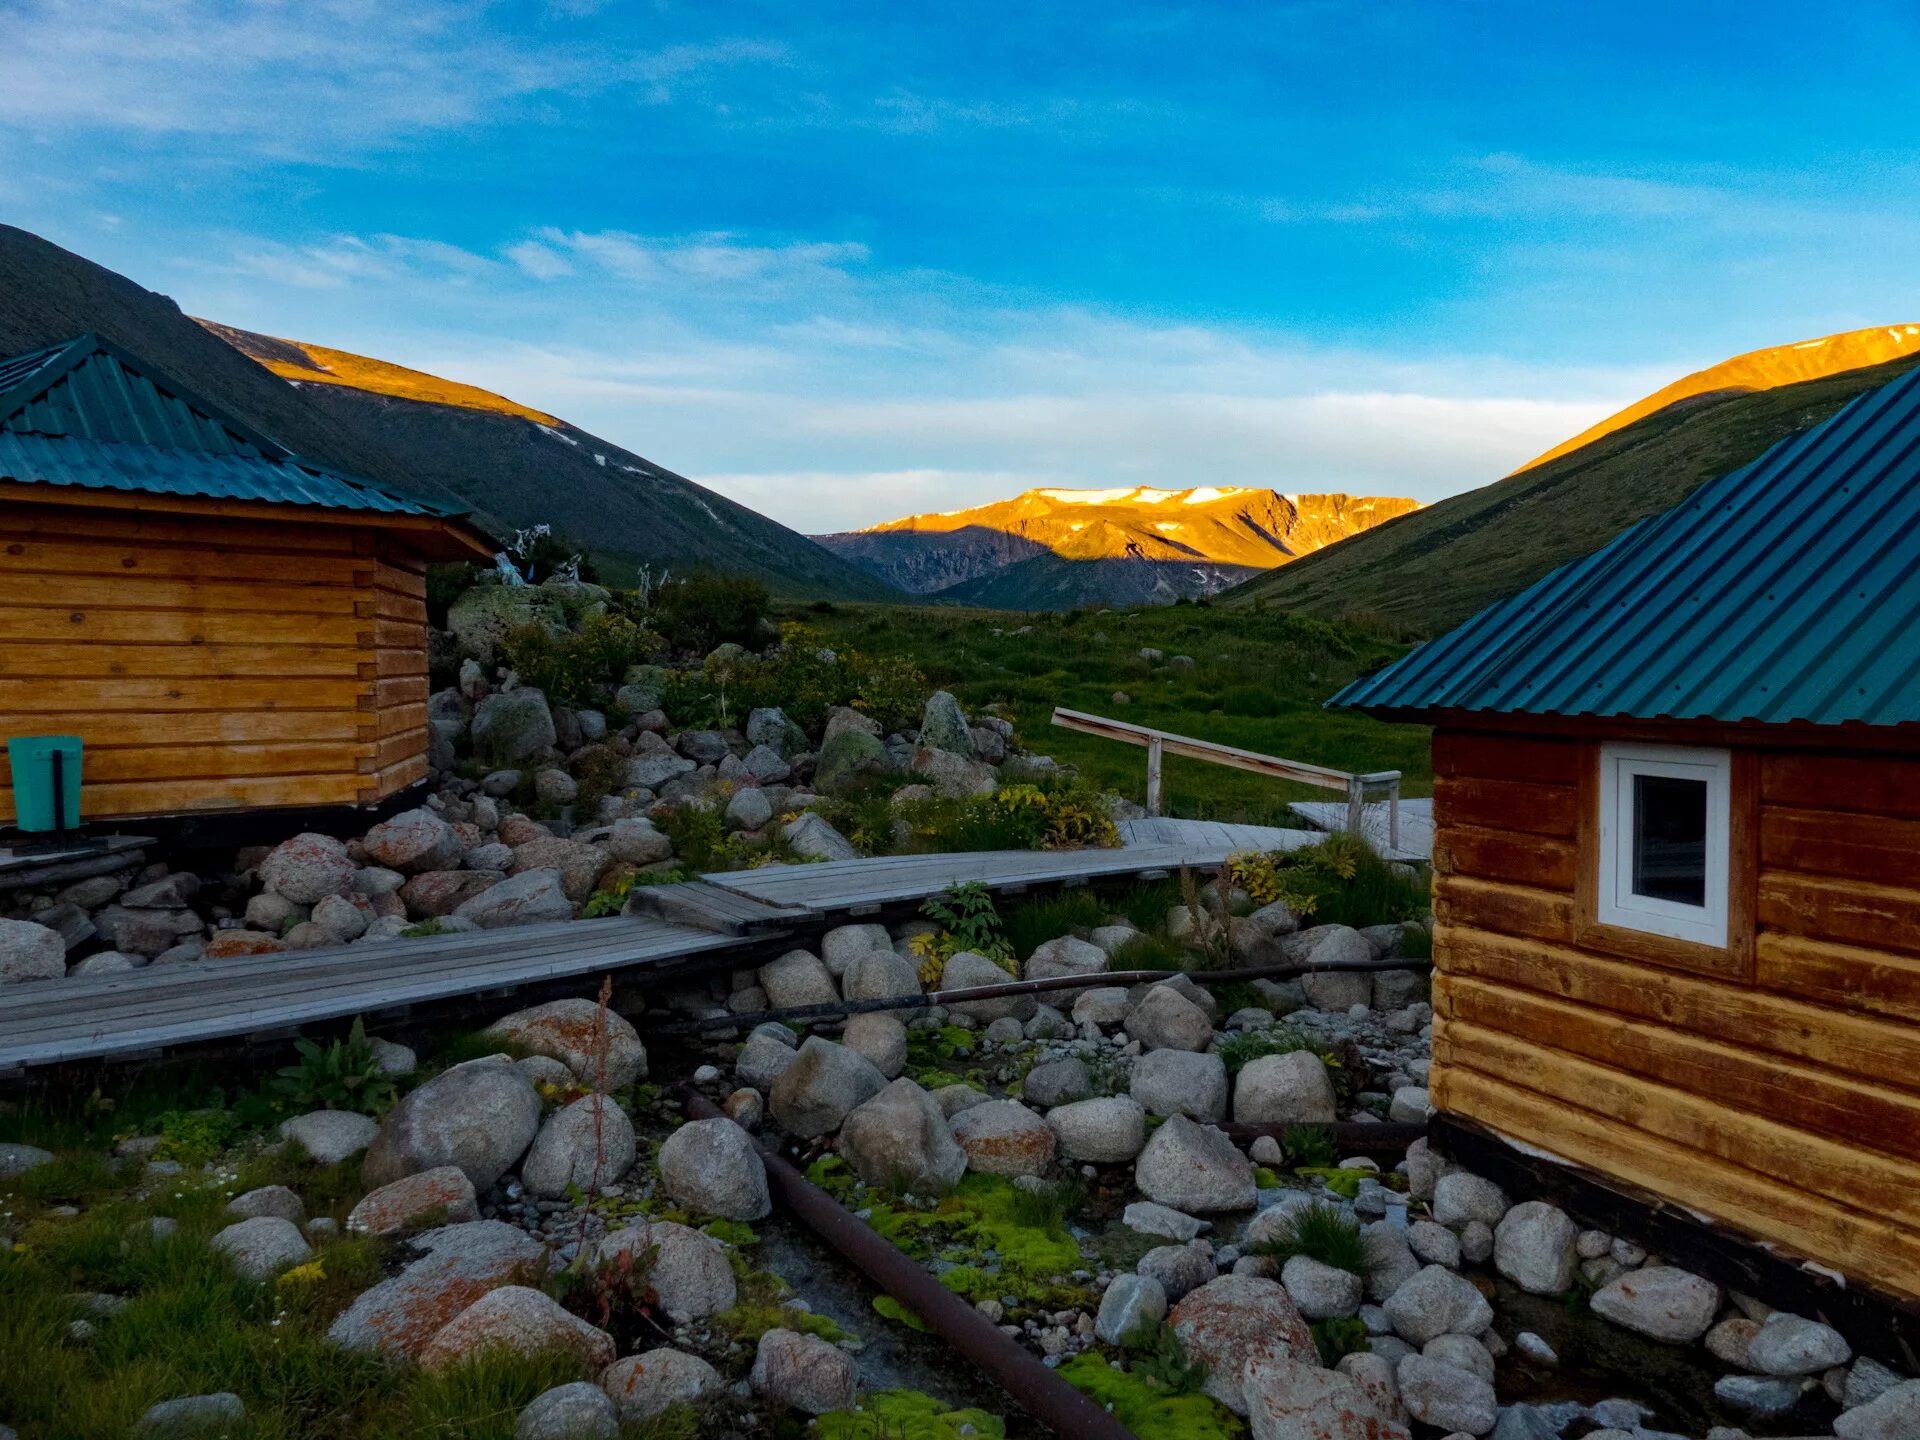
point(1416, 825)
point(1167, 830)
point(856, 887)
point(142, 1013)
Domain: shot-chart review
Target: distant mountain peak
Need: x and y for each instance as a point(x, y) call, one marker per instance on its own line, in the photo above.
point(1054, 547)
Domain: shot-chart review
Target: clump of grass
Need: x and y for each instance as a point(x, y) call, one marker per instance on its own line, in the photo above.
point(480, 1400)
point(1147, 951)
point(1321, 1233)
point(1163, 1362)
point(1338, 1337)
point(1146, 905)
point(460, 1046)
point(1312, 1146)
point(1047, 1206)
point(1031, 923)
point(1250, 1045)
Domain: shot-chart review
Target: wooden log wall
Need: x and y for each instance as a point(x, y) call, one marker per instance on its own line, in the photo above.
point(1784, 1099)
point(212, 664)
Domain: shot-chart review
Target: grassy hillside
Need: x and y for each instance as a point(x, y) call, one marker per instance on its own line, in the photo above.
point(1257, 681)
point(1425, 572)
point(517, 466)
point(440, 444)
point(1765, 369)
point(306, 364)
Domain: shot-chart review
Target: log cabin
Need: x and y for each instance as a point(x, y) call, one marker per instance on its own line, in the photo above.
point(1677, 867)
point(226, 627)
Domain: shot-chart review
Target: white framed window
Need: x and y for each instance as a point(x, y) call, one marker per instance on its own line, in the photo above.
point(1665, 822)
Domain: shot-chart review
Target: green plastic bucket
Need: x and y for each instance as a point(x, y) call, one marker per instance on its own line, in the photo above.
point(39, 801)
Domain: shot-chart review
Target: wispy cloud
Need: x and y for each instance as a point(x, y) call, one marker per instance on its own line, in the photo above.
point(322, 81)
point(343, 260)
point(717, 259)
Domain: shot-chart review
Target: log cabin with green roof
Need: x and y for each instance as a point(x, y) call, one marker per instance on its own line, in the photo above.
point(1677, 857)
point(226, 627)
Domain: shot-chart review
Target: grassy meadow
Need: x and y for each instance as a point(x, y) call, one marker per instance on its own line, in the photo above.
point(1258, 680)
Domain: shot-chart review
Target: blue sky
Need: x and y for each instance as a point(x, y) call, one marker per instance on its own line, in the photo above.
point(843, 262)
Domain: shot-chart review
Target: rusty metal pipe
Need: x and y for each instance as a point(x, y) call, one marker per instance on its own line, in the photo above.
point(835, 1009)
point(1035, 1388)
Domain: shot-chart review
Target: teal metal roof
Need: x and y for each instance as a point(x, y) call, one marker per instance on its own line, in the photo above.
point(1785, 591)
point(89, 414)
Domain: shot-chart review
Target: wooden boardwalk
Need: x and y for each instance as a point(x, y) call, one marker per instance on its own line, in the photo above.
point(1416, 825)
point(1166, 830)
point(724, 918)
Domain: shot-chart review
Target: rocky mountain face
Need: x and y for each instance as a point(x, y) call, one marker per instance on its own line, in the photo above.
point(510, 464)
point(1053, 549)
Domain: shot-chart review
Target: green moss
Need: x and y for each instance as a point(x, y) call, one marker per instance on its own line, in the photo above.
point(750, 1319)
point(736, 1233)
point(1147, 1412)
point(762, 1304)
point(1344, 1183)
point(1265, 1179)
point(985, 1226)
point(893, 1310)
point(908, 1415)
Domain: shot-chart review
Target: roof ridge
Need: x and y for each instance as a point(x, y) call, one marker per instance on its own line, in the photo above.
point(64, 358)
point(1773, 592)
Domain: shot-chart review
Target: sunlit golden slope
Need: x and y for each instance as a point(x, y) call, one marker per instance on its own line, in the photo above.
point(319, 365)
point(1045, 549)
point(1758, 370)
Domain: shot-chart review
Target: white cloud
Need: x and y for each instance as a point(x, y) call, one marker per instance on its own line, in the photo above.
point(705, 260)
point(320, 80)
point(828, 393)
point(540, 261)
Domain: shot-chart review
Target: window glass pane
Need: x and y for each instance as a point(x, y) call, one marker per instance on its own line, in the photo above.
point(1670, 839)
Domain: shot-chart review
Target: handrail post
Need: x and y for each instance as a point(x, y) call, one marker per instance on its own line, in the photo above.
point(1356, 806)
point(1153, 776)
point(1393, 815)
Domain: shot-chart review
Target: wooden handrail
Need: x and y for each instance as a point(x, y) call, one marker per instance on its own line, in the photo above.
point(1159, 743)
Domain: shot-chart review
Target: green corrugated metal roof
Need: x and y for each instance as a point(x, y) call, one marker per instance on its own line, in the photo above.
point(1787, 590)
point(91, 415)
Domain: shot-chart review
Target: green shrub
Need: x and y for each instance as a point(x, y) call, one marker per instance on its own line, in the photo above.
point(1320, 1232)
point(696, 613)
point(968, 921)
point(1340, 880)
point(697, 831)
point(342, 1076)
point(194, 1137)
point(1051, 815)
point(805, 678)
point(580, 668)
